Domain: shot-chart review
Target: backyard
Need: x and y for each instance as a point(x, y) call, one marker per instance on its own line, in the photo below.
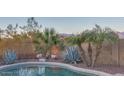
point(97, 49)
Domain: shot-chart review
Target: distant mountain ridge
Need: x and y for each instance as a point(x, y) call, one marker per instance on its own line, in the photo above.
point(121, 35)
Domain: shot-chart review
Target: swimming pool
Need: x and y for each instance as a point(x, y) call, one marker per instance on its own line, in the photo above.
point(46, 69)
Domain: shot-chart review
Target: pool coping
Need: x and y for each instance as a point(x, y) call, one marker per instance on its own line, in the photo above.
point(62, 65)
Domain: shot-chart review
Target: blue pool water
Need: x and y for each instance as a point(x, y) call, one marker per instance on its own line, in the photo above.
point(41, 71)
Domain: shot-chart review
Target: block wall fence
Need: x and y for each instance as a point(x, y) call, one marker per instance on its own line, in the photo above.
point(111, 54)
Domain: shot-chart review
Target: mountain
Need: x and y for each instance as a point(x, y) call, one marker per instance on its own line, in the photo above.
point(121, 35)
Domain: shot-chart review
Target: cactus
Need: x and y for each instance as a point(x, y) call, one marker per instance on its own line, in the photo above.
point(9, 56)
point(72, 55)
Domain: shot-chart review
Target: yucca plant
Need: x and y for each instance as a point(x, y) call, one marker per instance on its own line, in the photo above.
point(72, 55)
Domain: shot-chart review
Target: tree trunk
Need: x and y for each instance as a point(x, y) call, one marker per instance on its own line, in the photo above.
point(82, 54)
point(98, 51)
point(90, 53)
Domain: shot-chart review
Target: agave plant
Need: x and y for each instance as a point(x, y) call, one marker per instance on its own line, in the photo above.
point(9, 56)
point(78, 40)
point(72, 55)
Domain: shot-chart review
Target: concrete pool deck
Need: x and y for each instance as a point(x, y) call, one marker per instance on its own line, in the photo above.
point(53, 64)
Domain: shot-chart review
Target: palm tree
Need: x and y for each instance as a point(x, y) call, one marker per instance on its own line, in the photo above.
point(78, 40)
point(97, 36)
point(46, 40)
point(88, 37)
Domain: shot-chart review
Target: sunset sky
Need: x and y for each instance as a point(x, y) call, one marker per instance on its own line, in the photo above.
point(69, 24)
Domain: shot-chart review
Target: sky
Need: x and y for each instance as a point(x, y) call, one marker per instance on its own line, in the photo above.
point(69, 24)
